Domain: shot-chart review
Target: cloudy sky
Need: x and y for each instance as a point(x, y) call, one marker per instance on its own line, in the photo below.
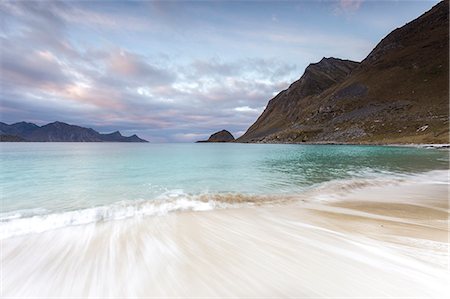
point(174, 71)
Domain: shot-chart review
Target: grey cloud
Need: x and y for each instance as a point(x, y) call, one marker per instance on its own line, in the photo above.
point(123, 63)
point(30, 68)
point(39, 25)
point(56, 14)
point(35, 12)
point(272, 69)
point(214, 67)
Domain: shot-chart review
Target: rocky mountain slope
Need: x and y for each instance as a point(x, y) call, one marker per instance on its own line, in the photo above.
point(221, 136)
point(398, 94)
point(59, 132)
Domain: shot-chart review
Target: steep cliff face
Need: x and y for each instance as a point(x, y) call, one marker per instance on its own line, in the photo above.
point(284, 109)
point(399, 93)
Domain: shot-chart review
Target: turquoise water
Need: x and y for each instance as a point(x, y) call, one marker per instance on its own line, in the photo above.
point(123, 178)
point(77, 175)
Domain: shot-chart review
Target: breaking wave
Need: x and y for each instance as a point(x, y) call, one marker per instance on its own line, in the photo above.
point(39, 220)
point(22, 222)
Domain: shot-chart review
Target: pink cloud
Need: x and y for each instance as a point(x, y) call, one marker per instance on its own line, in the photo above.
point(106, 99)
point(133, 66)
point(124, 63)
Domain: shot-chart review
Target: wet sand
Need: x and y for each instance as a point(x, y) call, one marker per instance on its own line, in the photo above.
point(389, 241)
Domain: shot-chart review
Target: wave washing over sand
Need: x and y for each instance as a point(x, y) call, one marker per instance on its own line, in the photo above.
point(39, 220)
point(377, 237)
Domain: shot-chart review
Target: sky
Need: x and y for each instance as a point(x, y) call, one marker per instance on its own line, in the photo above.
point(174, 71)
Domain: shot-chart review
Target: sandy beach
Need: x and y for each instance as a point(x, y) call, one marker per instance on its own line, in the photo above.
point(375, 241)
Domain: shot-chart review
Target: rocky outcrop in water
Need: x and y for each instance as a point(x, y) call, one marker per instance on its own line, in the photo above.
point(221, 136)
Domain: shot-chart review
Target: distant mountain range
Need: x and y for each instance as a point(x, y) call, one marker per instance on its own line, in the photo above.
point(398, 94)
point(58, 132)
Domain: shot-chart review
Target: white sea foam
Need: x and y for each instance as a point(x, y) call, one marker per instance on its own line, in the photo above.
point(22, 222)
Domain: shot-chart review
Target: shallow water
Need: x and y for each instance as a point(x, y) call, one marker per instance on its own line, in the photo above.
point(66, 176)
point(50, 185)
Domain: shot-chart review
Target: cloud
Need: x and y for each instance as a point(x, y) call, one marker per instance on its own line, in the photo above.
point(347, 6)
point(55, 14)
point(257, 68)
point(36, 69)
point(123, 63)
point(249, 110)
point(350, 4)
point(213, 67)
point(326, 44)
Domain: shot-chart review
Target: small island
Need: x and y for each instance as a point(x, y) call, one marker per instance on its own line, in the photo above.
point(221, 136)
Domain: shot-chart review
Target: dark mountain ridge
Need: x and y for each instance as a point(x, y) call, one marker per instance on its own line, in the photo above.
point(59, 132)
point(282, 109)
point(17, 129)
point(397, 94)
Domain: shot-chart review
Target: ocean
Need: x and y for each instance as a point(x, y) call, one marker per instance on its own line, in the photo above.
point(50, 185)
point(127, 220)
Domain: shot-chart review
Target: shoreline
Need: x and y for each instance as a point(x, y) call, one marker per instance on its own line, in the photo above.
point(377, 241)
point(418, 145)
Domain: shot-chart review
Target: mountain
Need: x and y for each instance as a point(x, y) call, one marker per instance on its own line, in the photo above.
point(59, 132)
point(221, 136)
point(398, 94)
point(285, 109)
point(62, 132)
point(117, 137)
point(17, 129)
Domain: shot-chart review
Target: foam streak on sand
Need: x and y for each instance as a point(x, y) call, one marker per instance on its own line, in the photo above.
point(21, 222)
point(370, 242)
